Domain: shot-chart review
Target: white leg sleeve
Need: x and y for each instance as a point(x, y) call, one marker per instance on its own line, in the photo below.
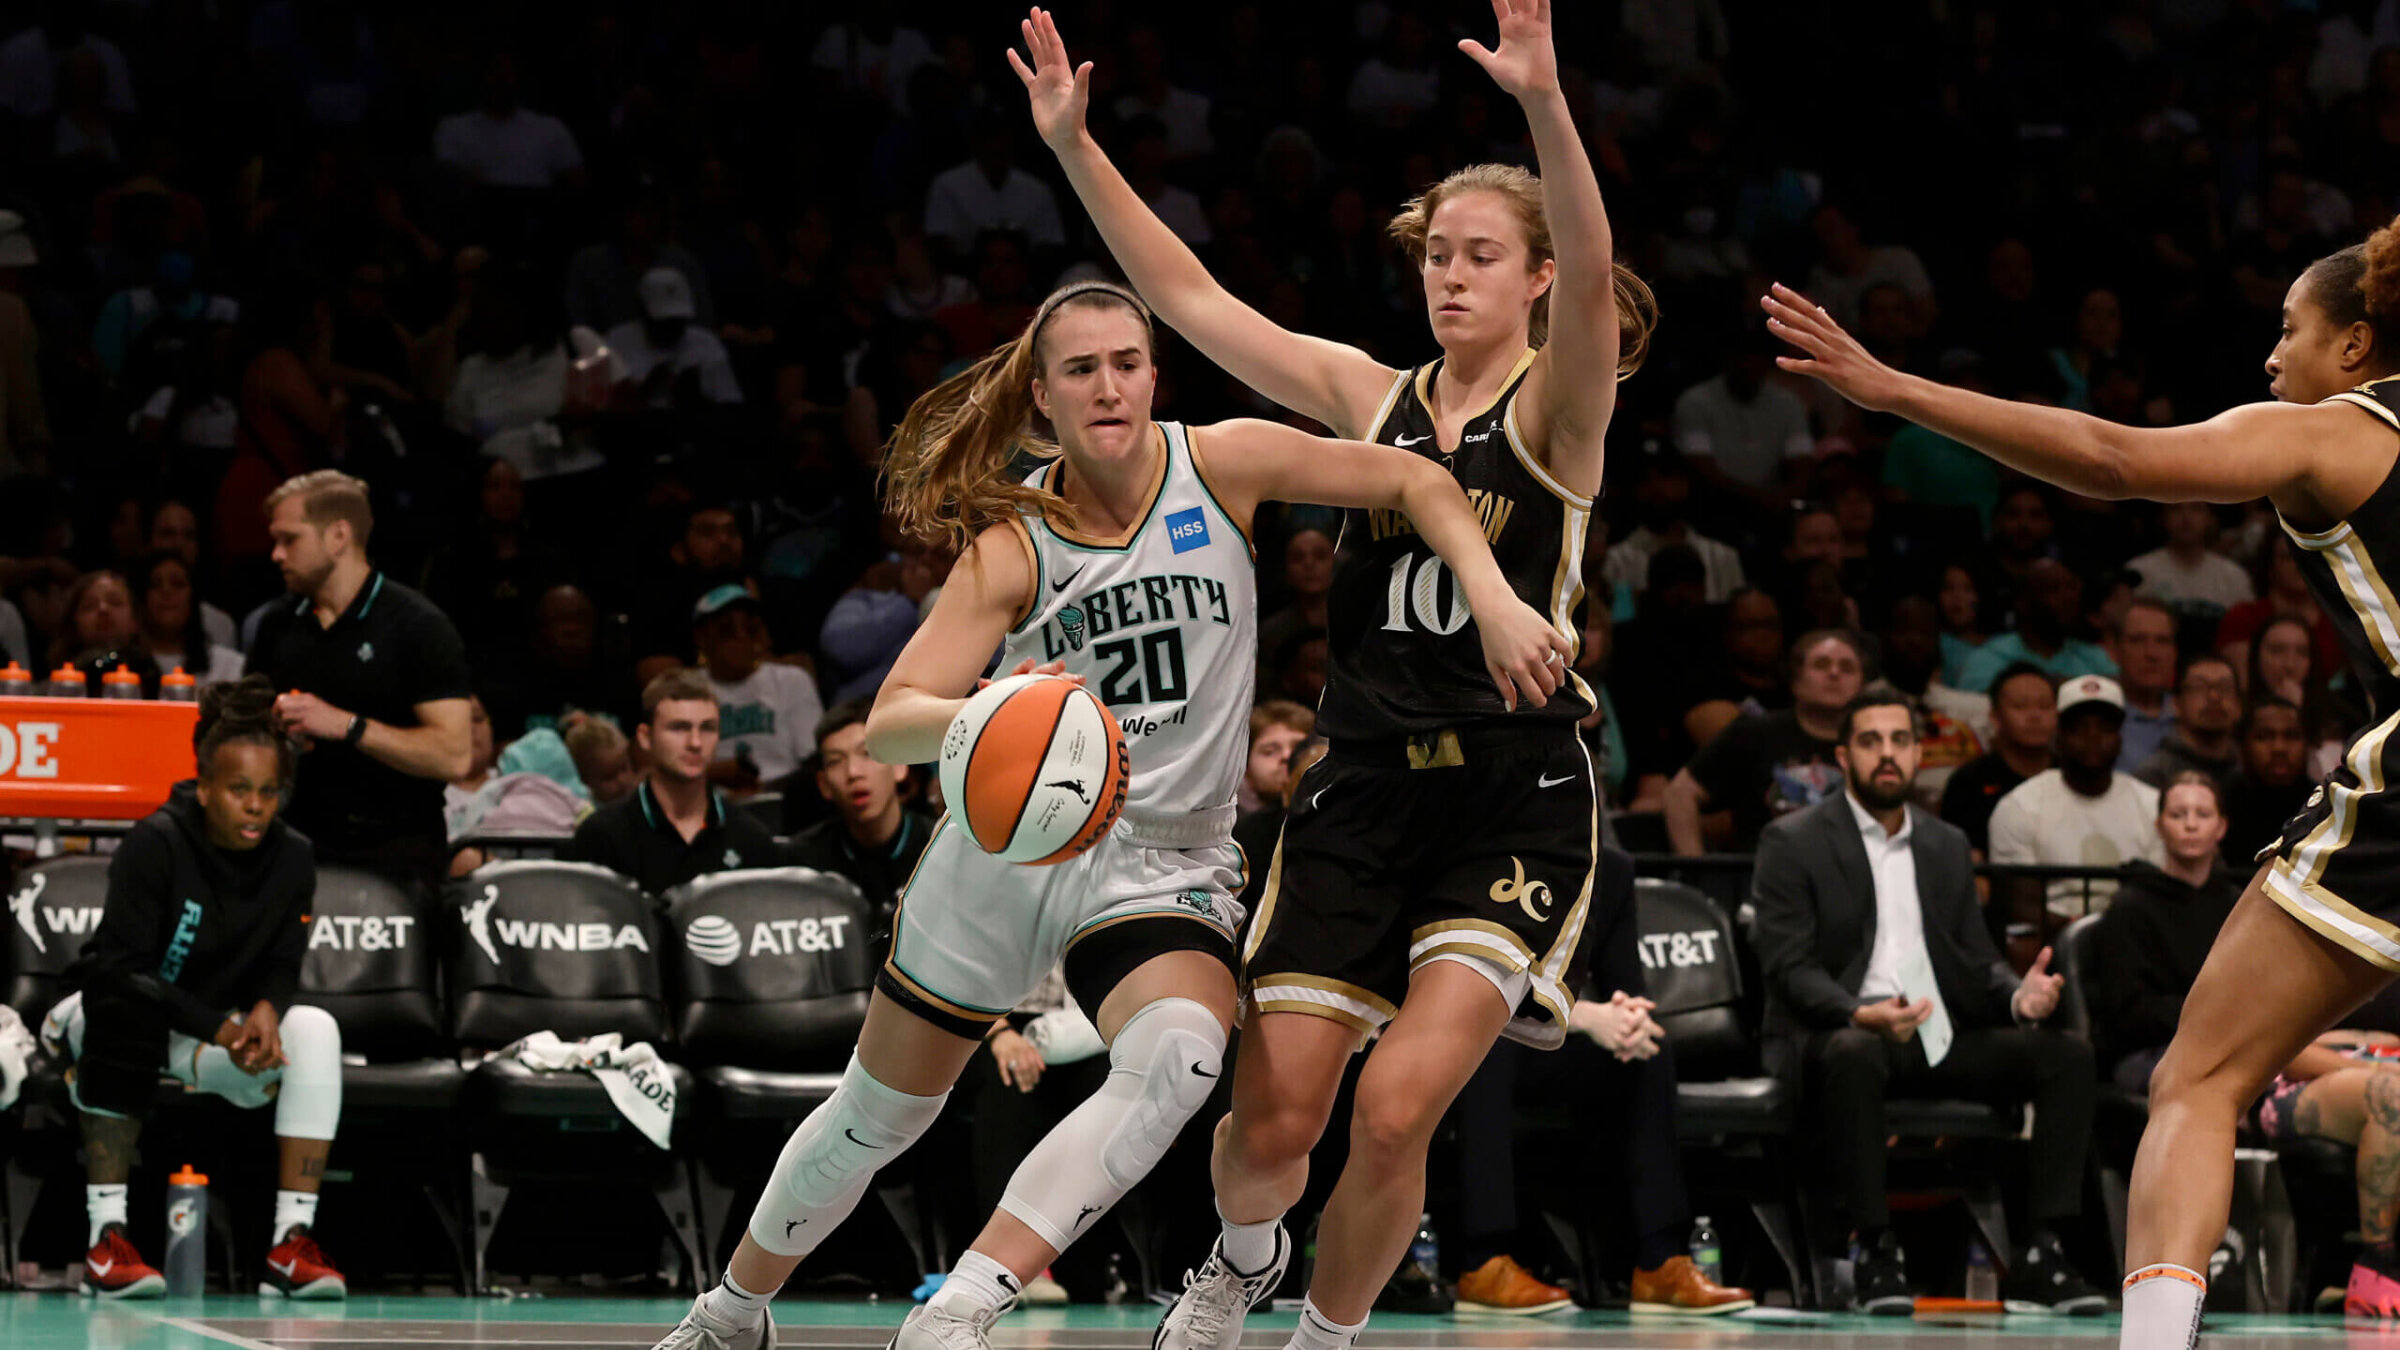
point(826, 1165)
point(310, 1104)
point(1165, 1060)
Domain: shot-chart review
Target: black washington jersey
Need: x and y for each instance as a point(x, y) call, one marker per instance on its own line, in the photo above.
point(1402, 655)
point(2341, 565)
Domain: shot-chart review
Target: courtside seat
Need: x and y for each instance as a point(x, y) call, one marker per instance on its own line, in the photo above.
point(54, 908)
point(771, 970)
point(571, 949)
point(1691, 965)
point(373, 963)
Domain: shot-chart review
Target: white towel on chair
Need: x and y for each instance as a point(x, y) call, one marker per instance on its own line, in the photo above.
point(16, 1047)
point(634, 1077)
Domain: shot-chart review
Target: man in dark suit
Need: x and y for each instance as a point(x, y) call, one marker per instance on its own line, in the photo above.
point(1882, 979)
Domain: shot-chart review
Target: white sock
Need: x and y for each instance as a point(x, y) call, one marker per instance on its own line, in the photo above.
point(733, 1305)
point(1249, 1247)
point(977, 1284)
point(2162, 1308)
point(1319, 1332)
point(293, 1209)
point(103, 1205)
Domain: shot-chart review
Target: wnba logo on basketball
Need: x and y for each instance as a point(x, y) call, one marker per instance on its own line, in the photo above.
point(1531, 896)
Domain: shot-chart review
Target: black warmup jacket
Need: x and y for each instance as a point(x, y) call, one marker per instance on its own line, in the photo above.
point(192, 931)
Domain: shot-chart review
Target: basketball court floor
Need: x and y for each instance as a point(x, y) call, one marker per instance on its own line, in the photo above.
point(61, 1322)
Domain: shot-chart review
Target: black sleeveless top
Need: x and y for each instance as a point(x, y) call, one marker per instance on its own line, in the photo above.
point(1403, 655)
point(2342, 565)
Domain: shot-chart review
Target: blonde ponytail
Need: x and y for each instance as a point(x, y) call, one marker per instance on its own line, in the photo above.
point(949, 469)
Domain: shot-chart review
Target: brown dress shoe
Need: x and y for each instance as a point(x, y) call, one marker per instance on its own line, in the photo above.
point(1500, 1285)
point(1679, 1288)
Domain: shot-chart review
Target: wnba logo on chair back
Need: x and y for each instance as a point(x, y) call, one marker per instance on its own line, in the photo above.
point(91, 759)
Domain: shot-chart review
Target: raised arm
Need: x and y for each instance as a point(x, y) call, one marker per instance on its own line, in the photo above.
point(1572, 388)
point(987, 594)
point(1332, 382)
point(1254, 461)
point(2275, 450)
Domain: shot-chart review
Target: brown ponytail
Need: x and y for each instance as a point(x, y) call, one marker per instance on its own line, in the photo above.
point(1637, 308)
point(948, 469)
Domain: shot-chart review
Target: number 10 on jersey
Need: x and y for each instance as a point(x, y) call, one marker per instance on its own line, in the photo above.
point(1422, 595)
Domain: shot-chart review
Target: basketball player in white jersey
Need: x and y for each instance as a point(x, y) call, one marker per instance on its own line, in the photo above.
point(1434, 873)
point(1124, 562)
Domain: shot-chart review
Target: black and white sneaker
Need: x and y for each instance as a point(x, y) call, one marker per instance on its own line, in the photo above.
point(1208, 1314)
point(2042, 1281)
point(1881, 1280)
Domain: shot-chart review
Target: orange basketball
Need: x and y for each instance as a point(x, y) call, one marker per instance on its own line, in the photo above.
point(1035, 769)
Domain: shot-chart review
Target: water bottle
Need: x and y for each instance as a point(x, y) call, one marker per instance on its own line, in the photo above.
point(1707, 1252)
point(68, 682)
point(176, 686)
point(15, 681)
point(1425, 1250)
point(121, 683)
point(187, 1233)
point(1983, 1282)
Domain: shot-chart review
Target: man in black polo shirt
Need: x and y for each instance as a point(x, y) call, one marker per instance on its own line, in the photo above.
point(674, 827)
point(376, 686)
point(872, 838)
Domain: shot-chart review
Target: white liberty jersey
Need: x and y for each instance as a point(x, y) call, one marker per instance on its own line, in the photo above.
point(1163, 627)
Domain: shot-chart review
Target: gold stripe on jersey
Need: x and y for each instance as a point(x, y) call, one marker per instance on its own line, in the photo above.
point(1261, 921)
point(1516, 442)
point(1519, 956)
point(2358, 398)
point(1383, 411)
point(1566, 585)
point(2362, 586)
point(2335, 919)
point(1546, 987)
point(2365, 762)
point(1424, 388)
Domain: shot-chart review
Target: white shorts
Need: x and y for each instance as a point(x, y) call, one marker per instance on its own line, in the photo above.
point(975, 935)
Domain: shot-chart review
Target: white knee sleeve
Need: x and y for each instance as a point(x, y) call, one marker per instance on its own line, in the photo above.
point(1166, 1059)
point(310, 1103)
point(826, 1165)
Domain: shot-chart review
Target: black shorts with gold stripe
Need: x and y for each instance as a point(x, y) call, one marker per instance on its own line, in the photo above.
point(2336, 866)
point(1474, 844)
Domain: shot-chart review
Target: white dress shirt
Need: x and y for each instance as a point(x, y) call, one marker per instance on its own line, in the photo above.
point(1899, 918)
point(1899, 964)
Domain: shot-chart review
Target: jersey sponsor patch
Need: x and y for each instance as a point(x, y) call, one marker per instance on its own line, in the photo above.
point(1187, 530)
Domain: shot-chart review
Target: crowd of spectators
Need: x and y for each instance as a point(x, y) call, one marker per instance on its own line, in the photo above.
point(614, 309)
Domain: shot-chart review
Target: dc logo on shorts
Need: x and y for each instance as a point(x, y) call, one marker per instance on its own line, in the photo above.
point(1187, 530)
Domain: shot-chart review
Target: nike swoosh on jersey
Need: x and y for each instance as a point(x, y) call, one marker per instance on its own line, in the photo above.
point(1547, 781)
point(1057, 586)
point(1202, 1071)
point(1403, 442)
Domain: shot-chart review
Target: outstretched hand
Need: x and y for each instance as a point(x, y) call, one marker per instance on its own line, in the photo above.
point(2037, 996)
point(1058, 90)
point(1526, 65)
point(1832, 355)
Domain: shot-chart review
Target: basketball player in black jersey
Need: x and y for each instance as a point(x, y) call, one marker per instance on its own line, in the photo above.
point(2318, 930)
point(1434, 873)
